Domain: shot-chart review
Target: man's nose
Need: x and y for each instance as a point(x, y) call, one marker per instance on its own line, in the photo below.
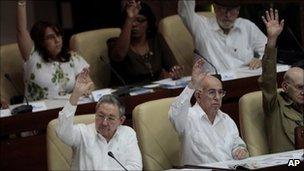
point(105, 121)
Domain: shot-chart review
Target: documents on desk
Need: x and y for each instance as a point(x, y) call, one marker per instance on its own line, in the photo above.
point(258, 162)
point(171, 84)
point(244, 72)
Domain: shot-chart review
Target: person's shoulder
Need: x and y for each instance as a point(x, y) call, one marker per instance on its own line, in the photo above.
point(244, 21)
point(75, 55)
point(126, 130)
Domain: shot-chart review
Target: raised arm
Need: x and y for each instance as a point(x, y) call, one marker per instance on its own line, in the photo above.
point(186, 10)
point(178, 111)
point(268, 79)
point(66, 130)
point(24, 40)
point(122, 44)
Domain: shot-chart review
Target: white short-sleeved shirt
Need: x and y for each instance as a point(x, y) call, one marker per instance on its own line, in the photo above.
point(46, 80)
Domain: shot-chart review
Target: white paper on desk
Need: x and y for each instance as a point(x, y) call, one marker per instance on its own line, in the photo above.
point(97, 94)
point(38, 106)
point(262, 161)
point(244, 71)
point(85, 99)
point(5, 113)
point(65, 97)
point(228, 76)
point(169, 81)
point(141, 91)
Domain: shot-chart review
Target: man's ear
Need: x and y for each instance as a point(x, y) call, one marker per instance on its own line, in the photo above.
point(285, 86)
point(122, 119)
point(196, 95)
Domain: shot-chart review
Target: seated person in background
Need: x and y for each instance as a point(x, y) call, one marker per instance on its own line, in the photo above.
point(228, 42)
point(207, 134)
point(91, 143)
point(283, 110)
point(140, 54)
point(49, 69)
point(3, 104)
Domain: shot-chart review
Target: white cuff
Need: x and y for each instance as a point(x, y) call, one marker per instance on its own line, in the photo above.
point(69, 110)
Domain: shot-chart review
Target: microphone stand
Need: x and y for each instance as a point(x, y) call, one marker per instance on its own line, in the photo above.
point(217, 75)
point(112, 156)
point(123, 90)
point(23, 108)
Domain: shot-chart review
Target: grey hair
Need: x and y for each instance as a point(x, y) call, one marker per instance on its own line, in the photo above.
point(111, 99)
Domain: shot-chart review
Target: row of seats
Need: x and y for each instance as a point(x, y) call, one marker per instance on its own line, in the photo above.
point(158, 141)
point(92, 45)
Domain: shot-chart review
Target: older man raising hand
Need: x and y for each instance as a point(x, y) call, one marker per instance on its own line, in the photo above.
point(207, 134)
point(92, 143)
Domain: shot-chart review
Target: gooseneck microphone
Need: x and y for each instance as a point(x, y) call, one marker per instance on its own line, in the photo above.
point(217, 75)
point(112, 155)
point(125, 89)
point(23, 108)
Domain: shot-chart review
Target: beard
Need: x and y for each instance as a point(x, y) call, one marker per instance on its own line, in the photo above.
point(225, 24)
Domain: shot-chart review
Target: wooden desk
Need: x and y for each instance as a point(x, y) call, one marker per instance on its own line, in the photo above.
point(30, 152)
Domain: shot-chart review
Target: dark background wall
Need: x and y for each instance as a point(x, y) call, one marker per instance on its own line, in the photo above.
point(82, 15)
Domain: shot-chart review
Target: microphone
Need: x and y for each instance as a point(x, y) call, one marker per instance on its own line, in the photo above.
point(294, 38)
point(291, 57)
point(217, 75)
point(23, 108)
point(112, 155)
point(125, 89)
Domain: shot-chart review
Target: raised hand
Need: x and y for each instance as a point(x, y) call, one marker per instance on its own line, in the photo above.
point(82, 86)
point(176, 72)
point(133, 8)
point(197, 74)
point(271, 21)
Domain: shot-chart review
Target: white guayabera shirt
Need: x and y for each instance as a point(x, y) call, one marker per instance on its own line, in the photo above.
point(226, 52)
point(202, 141)
point(90, 149)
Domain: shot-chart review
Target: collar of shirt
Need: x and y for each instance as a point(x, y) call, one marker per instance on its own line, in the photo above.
point(116, 134)
point(289, 111)
point(286, 100)
point(215, 26)
point(202, 114)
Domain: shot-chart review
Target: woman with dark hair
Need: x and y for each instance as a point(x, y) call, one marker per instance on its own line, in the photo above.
point(140, 54)
point(49, 68)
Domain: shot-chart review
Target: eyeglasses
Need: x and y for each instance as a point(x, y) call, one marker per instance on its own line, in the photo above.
point(297, 87)
point(212, 93)
point(108, 118)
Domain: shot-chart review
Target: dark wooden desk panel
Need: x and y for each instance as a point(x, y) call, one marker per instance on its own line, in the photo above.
point(30, 152)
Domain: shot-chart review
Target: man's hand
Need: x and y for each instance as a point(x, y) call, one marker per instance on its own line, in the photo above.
point(197, 74)
point(82, 86)
point(273, 26)
point(240, 153)
point(176, 72)
point(255, 63)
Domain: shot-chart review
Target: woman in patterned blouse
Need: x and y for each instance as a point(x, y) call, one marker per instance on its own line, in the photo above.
point(49, 68)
